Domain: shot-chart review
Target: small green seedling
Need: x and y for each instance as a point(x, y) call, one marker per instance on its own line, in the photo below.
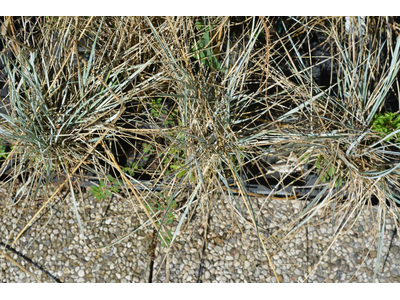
point(179, 168)
point(156, 108)
point(386, 124)
point(166, 209)
point(157, 111)
point(147, 151)
point(147, 148)
point(330, 172)
point(203, 48)
point(3, 153)
point(175, 159)
point(167, 238)
point(102, 191)
point(131, 168)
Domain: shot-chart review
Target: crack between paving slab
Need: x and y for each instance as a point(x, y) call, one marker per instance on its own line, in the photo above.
point(203, 251)
point(30, 261)
point(152, 256)
point(390, 246)
point(307, 262)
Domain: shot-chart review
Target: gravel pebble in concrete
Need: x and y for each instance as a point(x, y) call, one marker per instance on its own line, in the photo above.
point(231, 251)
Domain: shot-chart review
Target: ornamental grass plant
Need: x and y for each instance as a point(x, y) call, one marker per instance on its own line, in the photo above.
point(333, 129)
point(70, 81)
